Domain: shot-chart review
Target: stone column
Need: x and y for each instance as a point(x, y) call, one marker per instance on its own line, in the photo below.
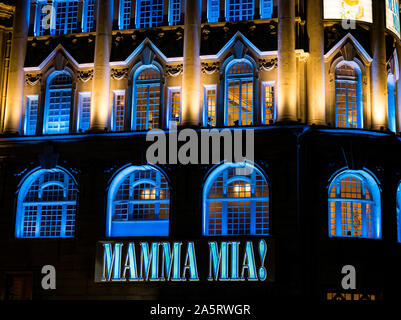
point(101, 75)
point(379, 73)
point(16, 77)
point(316, 110)
point(287, 67)
point(191, 83)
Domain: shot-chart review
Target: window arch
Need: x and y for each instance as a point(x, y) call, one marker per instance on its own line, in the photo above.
point(146, 98)
point(239, 93)
point(47, 204)
point(348, 95)
point(58, 103)
point(354, 206)
point(236, 201)
point(138, 203)
point(391, 102)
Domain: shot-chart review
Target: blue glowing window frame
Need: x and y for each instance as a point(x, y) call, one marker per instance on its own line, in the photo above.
point(240, 10)
point(174, 14)
point(359, 98)
point(172, 107)
point(369, 182)
point(62, 91)
point(119, 111)
point(138, 227)
point(210, 105)
point(124, 19)
point(31, 115)
point(242, 77)
point(65, 227)
point(250, 174)
point(399, 213)
point(266, 9)
point(88, 16)
point(271, 106)
point(66, 16)
point(39, 15)
point(149, 13)
point(84, 111)
point(213, 11)
point(148, 84)
point(391, 102)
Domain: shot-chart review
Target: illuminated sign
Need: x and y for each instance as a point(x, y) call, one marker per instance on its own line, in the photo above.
point(393, 16)
point(359, 10)
point(184, 261)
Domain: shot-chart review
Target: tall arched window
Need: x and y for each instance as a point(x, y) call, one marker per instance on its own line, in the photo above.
point(354, 206)
point(47, 204)
point(236, 201)
point(391, 102)
point(348, 96)
point(239, 94)
point(146, 99)
point(238, 10)
point(138, 203)
point(58, 103)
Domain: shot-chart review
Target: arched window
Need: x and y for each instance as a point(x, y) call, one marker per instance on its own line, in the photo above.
point(399, 213)
point(147, 89)
point(58, 103)
point(47, 204)
point(354, 206)
point(138, 203)
point(239, 94)
point(391, 102)
point(236, 201)
point(238, 10)
point(348, 96)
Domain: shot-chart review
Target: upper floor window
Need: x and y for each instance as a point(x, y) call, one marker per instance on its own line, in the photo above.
point(399, 213)
point(174, 12)
point(213, 10)
point(174, 106)
point(266, 9)
point(391, 102)
point(31, 115)
point(348, 96)
point(138, 203)
point(239, 94)
point(88, 16)
point(354, 206)
point(239, 10)
point(268, 102)
point(58, 103)
point(47, 203)
point(146, 98)
point(84, 111)
point(124, 20)
point(209, 105)
point(236, 201)
point(149, 13)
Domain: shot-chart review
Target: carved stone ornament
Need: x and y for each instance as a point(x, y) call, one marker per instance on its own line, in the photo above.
point(85, 75)
point(210, 68)
point(175, 70)
point(33, 79)
point(120, 74)
point(268, 64)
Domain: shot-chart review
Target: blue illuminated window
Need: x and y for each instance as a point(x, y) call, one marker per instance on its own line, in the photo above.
point(354, 206)
point(239, 10)
point(149, 13)
point(391, 102)
point(58, 103)
point(174, 12)
point(119, 111)
point(213, 10)
point(209, 105)
point(66, 16)
point(268, 102)
point(84, 111)
point(236, 201)
point(42, 24)
point(47, 204)
point(88, 16)
point(239, 94)
point(266, 9)
point(147, 87)
point(31, 115)
point(399, 213)
point(124, 21)
point(138, 203)
point(174, 106)
point(348, 96)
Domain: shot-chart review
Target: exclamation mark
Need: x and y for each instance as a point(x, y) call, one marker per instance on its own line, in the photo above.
point(262, 252)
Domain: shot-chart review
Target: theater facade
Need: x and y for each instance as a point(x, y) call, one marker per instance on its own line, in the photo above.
point(86, 85)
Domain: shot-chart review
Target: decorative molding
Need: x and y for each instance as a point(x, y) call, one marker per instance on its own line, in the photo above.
point(6, 11)
point(174, 70)
point(268, 64)
point(210, 68)
point(33, 79)
point(120, 74)
point(302, 56)
point(85, 75)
